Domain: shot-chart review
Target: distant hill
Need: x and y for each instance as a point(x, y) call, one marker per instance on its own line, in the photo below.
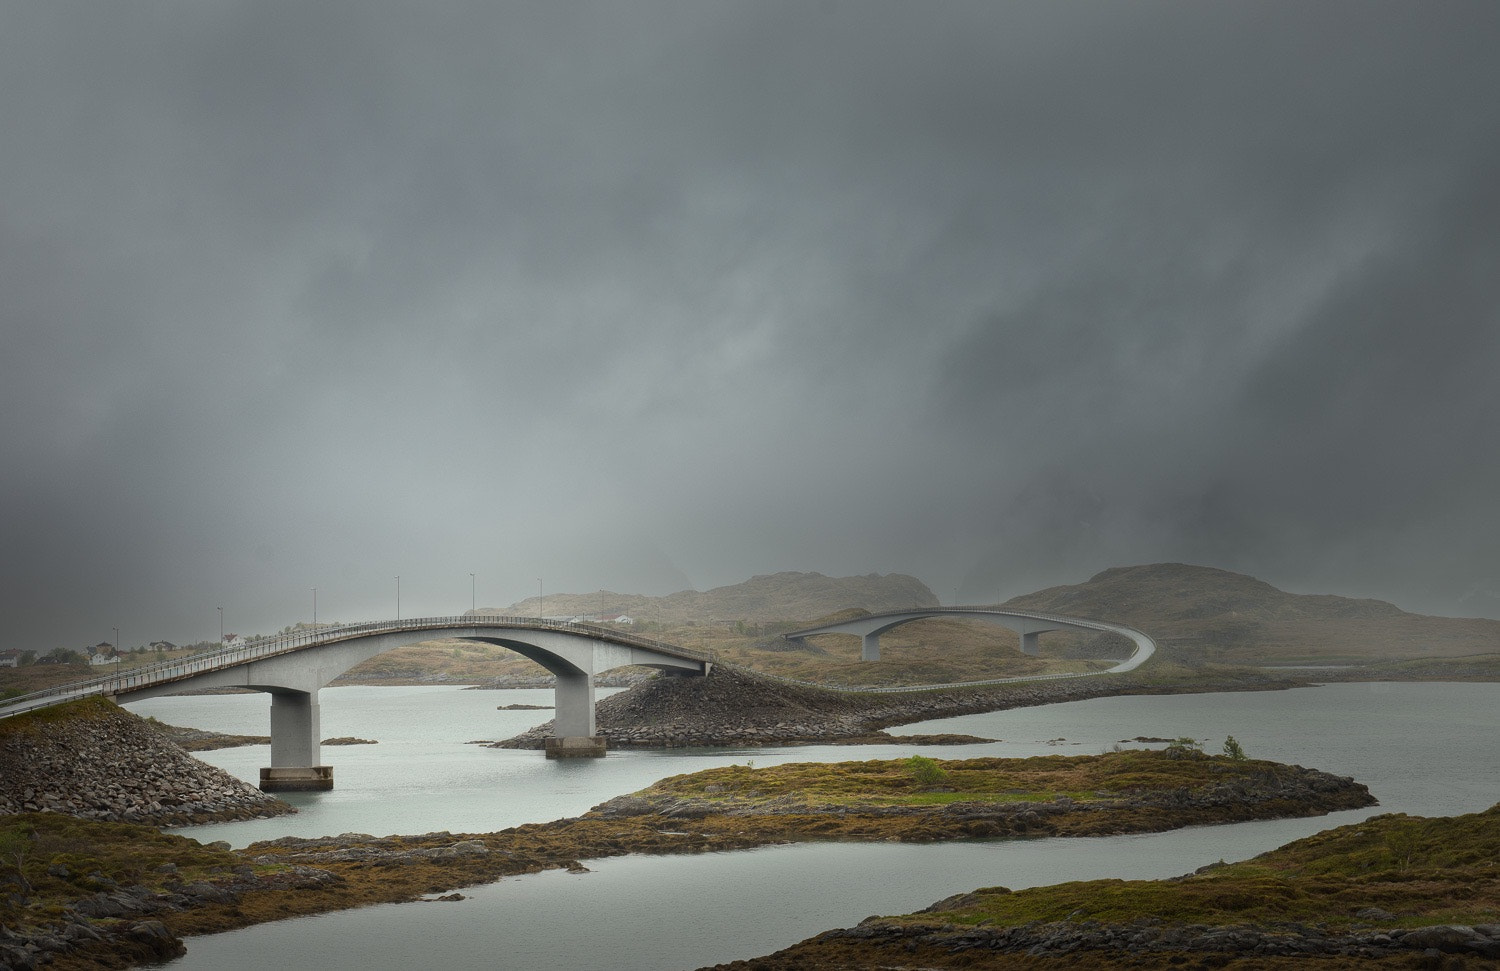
point(784, 596)
point(1206, 613)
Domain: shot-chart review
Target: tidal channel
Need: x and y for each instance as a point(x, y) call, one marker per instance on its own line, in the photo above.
point(1423, 749)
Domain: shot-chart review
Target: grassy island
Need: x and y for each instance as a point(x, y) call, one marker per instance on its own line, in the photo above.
point(95, 894)
point(1390, 892)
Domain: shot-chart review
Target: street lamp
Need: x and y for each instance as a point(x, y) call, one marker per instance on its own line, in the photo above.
point(540, 614)
point(315, 607)
point(221, 625)
point(398, 597)
point(117, 639)
point(473, 595)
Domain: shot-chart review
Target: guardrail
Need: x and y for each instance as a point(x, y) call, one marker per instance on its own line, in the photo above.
point(216, 659)
point(1145, 646)
point(936, 611)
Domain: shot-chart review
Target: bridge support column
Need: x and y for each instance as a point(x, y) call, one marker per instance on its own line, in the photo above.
point(869, 647)
point(573, 726)
point(1030, 643)
point(294, 745)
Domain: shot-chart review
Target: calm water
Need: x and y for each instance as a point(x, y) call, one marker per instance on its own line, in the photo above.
point(1422, 748)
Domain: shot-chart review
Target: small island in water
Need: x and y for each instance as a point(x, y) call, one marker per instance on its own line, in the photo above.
point(88, 893)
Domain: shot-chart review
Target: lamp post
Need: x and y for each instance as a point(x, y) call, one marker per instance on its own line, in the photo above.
point(540, 614)
point(315, 607)
point(398, 597)
point(117, 639)
point(473, 595)
point(221, 625)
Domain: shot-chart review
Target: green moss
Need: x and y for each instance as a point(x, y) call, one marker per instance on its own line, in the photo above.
point(1082, 778)
point(81, 710)
point(1439, 871)
point(63, 858)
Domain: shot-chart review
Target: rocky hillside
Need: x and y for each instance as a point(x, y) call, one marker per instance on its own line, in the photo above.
point(1198, 611)
point(786, 596)
point(94, 760)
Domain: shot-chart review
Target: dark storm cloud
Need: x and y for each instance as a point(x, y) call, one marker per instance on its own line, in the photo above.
point(649, 295)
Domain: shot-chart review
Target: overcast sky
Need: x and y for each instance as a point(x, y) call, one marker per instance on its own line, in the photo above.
point(650, 296)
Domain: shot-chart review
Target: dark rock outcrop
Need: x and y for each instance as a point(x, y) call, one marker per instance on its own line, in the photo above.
point(94, 760)
point(734, 706)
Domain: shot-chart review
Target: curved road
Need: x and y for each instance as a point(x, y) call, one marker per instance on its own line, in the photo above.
point(1145, 647)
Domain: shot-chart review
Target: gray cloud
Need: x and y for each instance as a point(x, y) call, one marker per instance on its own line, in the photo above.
point(660, 294)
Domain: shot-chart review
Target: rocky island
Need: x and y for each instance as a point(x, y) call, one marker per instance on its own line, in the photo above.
point(96, 894)
point(1392, 891)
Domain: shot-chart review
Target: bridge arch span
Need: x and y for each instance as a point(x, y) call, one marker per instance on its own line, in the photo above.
point(1028, 624)
point(292, 668)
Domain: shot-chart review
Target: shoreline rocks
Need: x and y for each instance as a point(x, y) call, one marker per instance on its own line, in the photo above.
point(94, 760)
point(735, 706)
point(940, 945)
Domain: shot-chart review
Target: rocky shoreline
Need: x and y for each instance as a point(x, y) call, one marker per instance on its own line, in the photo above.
point(93, 760)
point(110, 920)
point(876, 943)
point(736, 707)
point(125, 924)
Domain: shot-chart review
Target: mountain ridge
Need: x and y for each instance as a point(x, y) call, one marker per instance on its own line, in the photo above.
point(766, 597)
point(1222, 615)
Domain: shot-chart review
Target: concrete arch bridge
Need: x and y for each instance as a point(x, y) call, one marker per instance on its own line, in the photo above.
point(293, 667)
point(1028, 624)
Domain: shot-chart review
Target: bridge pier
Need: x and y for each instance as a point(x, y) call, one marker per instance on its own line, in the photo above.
point(869, 647)
point(294, 745)
point(573, 729)
point(1031, 643)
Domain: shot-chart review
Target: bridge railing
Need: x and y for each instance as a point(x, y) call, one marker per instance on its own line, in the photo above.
point(934, 611)
point(1145, 647)
point(258, 648)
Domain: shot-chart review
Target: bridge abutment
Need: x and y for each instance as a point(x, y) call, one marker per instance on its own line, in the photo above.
point(294, 745)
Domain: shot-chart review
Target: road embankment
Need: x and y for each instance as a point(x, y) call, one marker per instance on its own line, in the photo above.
point(733, 706)
point(91, 759)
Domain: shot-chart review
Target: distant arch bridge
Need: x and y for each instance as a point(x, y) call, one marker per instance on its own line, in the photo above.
point(293, 667)
point(1027, 623)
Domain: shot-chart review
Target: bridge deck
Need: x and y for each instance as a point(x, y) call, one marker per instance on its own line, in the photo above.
point(218, 659)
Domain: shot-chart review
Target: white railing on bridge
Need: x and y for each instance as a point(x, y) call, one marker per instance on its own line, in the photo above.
point(216, 659)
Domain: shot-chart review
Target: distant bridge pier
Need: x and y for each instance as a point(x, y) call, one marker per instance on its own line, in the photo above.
point(869, 646)
point(294, 745)
point(1031, 642)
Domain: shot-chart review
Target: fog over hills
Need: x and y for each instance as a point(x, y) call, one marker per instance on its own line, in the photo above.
point(772, 597)
point(1196, 612)
point(1222, 615)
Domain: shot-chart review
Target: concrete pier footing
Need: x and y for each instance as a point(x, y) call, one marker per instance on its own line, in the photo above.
point(575, 747)
point(311, 778)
